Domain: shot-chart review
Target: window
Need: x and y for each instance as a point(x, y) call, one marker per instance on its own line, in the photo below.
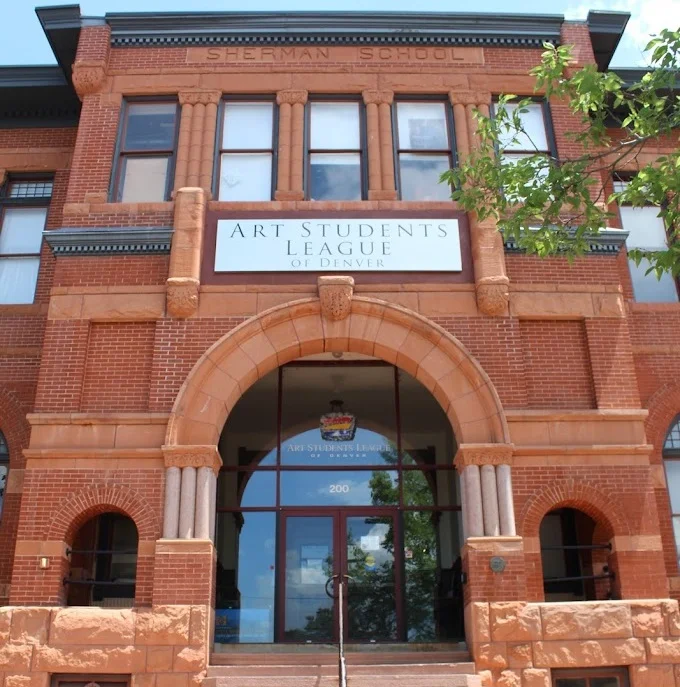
point(4, 469)
point(335, 169)
point(246, 151)
point(81, 680)
point(424, 149)
point(595, 677)
point(23, 211)
point(671, 459)
point(646, 230)
point(146, 152)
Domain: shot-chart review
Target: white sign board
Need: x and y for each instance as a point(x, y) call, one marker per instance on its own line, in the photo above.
point(346, 244)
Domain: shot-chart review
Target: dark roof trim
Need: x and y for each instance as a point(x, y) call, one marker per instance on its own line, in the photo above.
point(341, 28)
point(109, 241)
point(606, 29)
point(61, 25)
point(630, 75)
point(25, 77)
point(607, 242)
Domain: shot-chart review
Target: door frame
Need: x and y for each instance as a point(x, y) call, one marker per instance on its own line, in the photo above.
point(339, 516)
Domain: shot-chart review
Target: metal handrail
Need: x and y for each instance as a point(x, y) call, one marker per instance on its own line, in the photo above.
point(342, 665)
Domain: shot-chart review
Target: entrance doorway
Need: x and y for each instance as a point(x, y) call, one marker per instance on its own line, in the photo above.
point(338, 470)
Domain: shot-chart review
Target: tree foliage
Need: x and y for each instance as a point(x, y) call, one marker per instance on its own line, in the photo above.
point(547, 205)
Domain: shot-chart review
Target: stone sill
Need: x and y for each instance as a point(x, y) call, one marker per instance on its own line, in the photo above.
point(600, 415)
point(332, 206)
point(97, 418)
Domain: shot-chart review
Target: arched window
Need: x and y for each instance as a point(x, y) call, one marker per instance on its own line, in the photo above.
point(671, 459)
point(4, 469)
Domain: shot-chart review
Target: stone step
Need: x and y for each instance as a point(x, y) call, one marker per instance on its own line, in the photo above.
point(368, 680)
point(393, 670)
point(330, 657)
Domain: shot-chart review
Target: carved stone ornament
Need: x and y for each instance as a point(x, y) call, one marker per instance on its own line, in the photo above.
point(192, 457)
point(182, 296)
point(470, 97)
point(291, 97)
point(378, 97)
point(493, 296)
point(335, 294)
point(199, 97)
point(88, 76)
point(483, 454)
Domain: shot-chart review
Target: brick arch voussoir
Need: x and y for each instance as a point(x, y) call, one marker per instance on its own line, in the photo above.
point(605, 512)
point(13, 424)
point(664, 407)
point(87, 504)
point(297, 328)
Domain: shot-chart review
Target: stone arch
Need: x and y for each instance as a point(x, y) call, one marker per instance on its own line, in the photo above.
point(570, 493)
point(84, 505)
point(14, 425)
point(373, 327)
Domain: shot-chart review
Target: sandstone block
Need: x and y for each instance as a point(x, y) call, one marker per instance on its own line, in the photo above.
point(93, 626)
point(30, 625)
point(585, 654)
point(486, 677)
point(648, 619)
point(189, 659)
point(519, 656)
point(144, 680)
point(198, 630)
point(509, 678)
point(670, 610)
point(16, 657)
point(91, 660)
point(536, 677)
point(164, 625)
point(27, 680)
point(159, 659)
point(477, 622)
point(515, 621)
point(5, 622)
point(586, 621)
point(491, 656)
point(663, 649)
point(652, 676)
point(172, 680)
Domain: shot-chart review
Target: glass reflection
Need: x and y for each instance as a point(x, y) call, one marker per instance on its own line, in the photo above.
point(334, 176)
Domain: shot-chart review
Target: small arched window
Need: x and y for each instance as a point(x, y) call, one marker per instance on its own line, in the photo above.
point(671, 459)
point(4, 469)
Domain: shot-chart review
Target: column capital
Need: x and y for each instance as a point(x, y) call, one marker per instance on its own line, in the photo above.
point(192, 457)
point(483, 454)
point(378, 97)
point(291, 97)
point(199, 97)
point(470, 97)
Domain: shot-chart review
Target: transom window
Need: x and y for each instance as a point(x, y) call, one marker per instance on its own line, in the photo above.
point(4, 469)
point(335, 159)
point(647, 231)
point(148, 139)
point(246, 160)
point(23, 212)
point(424, 143)
point(671, 455)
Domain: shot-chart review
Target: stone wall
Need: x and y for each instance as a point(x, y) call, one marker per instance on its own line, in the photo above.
point(165, 646)
point(516, 644)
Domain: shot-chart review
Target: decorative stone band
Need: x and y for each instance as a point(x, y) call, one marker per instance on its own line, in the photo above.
point(608, 241)
point(199, 97)
point(108, 241)
point(470, 97)
point(378, 97)
point(483, 454)
point(193, 457)
point(335, 294)
point(291, 97)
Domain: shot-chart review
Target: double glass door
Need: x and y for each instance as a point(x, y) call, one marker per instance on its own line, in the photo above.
point(319, 548)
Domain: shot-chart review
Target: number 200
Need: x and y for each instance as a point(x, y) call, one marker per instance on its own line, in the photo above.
point(339, 488)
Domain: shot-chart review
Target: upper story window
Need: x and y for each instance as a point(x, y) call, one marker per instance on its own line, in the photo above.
point(246, 160)
point(4, 469)
point(335, 144)
point(424, 149)
point(534, 137)
point(671, 459)
point(23, 212)
point(146, 152)
point(646, 230)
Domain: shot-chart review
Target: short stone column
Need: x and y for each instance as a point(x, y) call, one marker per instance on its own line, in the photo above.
point(381, 184)
point(506, 506)
point(193, 507)
point(473, 501)
point(492, 526)
point(460, 121)
point(291, 144)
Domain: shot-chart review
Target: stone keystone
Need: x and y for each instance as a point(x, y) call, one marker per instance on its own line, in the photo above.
point(335, 294)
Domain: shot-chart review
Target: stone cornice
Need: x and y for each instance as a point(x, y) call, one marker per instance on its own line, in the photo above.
point(109, 241)
point(192, 456)
point(483, 454)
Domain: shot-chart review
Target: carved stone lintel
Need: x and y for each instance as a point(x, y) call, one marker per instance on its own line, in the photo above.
point(483, 454)
point(378, 97)
point(335, 294)
point(493, 295)
point(202, 97)
point(291, 97)
point(192, 457)
point(470, 97)
point(182, 296)
point(88, 76)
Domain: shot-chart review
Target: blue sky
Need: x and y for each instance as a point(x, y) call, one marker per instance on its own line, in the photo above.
point(22, 40)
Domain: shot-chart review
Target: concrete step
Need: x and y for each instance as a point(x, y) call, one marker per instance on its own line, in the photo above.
point(329, 657)
point(353, 670)
point(368, 680)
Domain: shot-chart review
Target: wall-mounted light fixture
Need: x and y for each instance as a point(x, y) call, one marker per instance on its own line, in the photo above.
point(44, 562)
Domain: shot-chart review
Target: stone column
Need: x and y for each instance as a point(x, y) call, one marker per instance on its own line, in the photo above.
point(381, 184)
point(473, 501)
point(199, 466)
point(506, 504)
point(213, 504)
point(463, 505)
point(171, 509)
point(460, 123)
point(183, 143)
point(492, 526)
point(290, 182)
point(208, 147)
point(196, 144)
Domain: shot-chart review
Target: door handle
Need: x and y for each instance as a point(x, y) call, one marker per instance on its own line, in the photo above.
point(328, 581)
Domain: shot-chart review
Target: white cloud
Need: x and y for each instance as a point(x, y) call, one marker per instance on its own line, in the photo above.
point(648, 17)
